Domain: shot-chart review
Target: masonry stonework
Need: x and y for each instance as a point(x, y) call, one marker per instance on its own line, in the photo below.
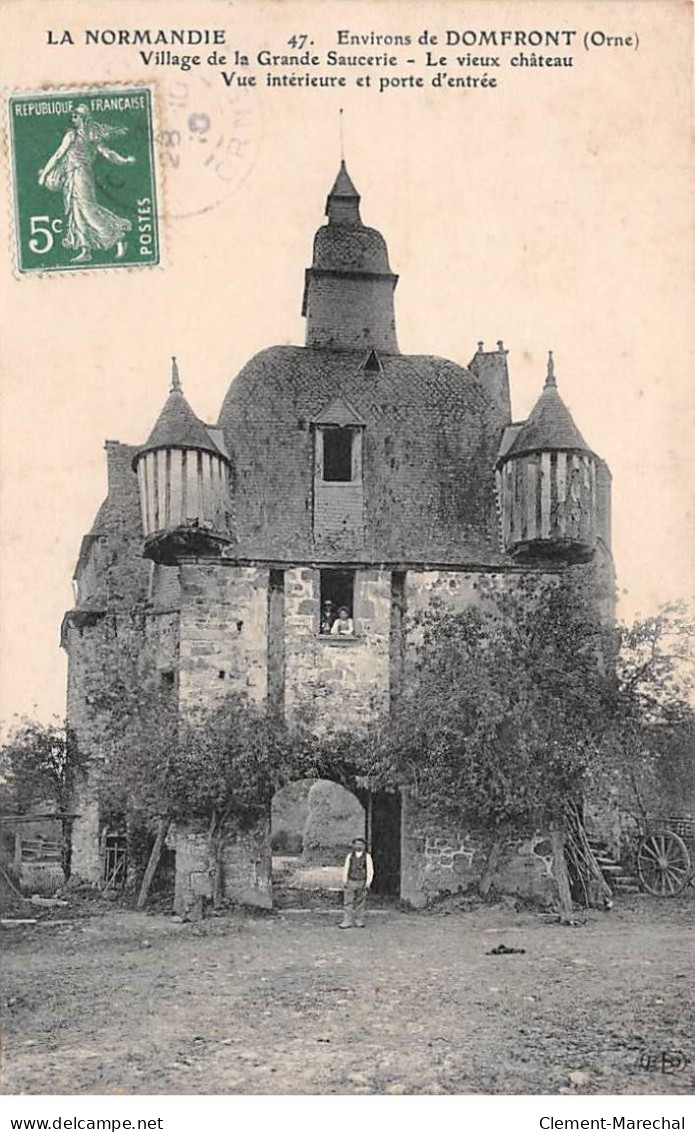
point(224, 614)
point(84, 641)
point(438, 858)
point(345, 682)
point(245, 863)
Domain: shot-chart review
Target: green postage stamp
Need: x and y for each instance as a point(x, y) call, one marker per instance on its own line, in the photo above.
point(84, 183)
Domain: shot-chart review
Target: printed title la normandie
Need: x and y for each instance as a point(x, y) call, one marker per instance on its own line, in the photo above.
point(203, 37)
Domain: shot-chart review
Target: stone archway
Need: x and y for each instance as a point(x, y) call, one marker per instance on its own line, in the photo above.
point(313, 824)
point(314, 821)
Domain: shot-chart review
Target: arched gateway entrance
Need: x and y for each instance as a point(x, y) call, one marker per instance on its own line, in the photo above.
point(238, 867)
point(313, 824)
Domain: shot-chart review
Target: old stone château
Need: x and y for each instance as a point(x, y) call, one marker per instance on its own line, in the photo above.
point(340, 474)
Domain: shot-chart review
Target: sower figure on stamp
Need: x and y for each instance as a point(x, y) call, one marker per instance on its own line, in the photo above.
point(358, 875)
point(89, 224)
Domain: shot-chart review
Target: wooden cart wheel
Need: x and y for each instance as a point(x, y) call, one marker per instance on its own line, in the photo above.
point(663, 864)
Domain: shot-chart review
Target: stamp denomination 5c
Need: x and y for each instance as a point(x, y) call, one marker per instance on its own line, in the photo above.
point(84, 181)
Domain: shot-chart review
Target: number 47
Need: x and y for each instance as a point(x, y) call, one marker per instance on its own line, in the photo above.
point(297, 41)
point(42, 229)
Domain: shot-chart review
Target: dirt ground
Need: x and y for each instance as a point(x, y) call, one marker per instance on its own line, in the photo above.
point(125, 1002)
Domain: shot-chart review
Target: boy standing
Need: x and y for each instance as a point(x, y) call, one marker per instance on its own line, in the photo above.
point(358, 874)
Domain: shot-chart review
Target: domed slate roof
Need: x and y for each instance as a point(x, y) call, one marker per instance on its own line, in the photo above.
point(550, 426)
point(431, 435)
point(344, 248)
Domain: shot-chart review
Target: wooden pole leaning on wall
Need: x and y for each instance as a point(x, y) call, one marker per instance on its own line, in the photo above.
point(162, 831)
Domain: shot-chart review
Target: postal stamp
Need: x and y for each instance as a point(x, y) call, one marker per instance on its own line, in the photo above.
point(84, 179)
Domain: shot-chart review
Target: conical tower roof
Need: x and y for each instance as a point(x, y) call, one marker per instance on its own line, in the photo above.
point(550, 426)
point(343, 201)
point(177, 426)
point(343, 186)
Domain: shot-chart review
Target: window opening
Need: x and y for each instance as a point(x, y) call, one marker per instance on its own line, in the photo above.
point(337, 455)
point(337, 603)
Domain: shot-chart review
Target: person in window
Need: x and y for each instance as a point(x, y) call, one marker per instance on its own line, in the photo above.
point(358, 874)
point(343, 626)
point(327, 617)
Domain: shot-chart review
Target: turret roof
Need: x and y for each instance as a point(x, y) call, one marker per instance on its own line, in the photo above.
point(343, 186)
point(343, 201)
point(550, 425)
point(177, 426)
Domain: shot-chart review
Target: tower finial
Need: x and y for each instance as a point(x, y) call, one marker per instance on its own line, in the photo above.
point(550, 382)
point(175, 380)
point(342, 140)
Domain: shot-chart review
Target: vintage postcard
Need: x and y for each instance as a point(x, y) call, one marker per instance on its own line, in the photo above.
point(347, 569)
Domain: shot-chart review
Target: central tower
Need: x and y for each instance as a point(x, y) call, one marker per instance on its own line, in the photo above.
point(348, 292)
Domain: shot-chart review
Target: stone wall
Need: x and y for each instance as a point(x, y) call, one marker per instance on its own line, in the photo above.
point(86, 860)
point(452, 590)
point(112, 583)
point(90, 573)
point(161, 639)
point(246, 867)
point(455, 589)
point(223, 647)
point(84, 643)
point(438, 858)
point(351, 313)
point(127, 572)
point(165, 588)
point(223, 633)
point(344, 681)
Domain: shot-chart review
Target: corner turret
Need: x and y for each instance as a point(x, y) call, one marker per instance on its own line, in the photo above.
point(547, 477)
point(183, 475)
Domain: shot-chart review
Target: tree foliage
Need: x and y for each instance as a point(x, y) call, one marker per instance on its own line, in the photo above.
point(502, 715)
point(42, 766)
point(526, 699)
point(41, 763)
point(648, 749)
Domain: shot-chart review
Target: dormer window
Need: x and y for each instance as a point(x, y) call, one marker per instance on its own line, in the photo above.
point(338, 443)
point(338, 433)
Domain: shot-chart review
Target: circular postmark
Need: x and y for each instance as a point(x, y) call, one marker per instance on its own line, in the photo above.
point(207, 138)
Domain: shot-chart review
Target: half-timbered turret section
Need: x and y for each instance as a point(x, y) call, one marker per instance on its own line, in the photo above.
point(547, 484)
